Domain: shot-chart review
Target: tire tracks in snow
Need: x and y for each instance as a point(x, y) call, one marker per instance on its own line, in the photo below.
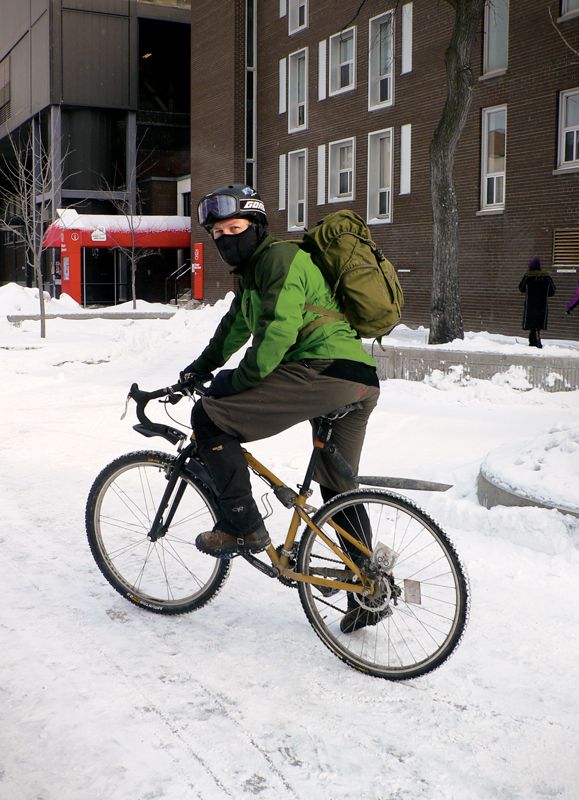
point(218, 699)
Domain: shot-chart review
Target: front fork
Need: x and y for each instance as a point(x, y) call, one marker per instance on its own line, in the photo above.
point(161, 523)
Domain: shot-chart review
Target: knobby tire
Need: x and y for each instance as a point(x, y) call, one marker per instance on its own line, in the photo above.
point(169, 576)
point(419, 632)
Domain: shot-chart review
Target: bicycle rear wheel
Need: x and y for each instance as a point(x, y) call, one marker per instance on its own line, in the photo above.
point(168, 576)
point(418, 613)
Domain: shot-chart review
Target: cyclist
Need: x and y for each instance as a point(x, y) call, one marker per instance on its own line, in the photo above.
point(285, 376)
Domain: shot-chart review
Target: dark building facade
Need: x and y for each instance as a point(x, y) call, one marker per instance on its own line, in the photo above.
point(326, 105)
point(104, 84)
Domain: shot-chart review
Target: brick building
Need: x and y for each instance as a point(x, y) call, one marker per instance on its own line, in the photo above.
point(326, 105)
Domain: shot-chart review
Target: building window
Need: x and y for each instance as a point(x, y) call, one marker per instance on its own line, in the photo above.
point(341, 171)
point(342, 61)
point(380, 176)
point(297, 190)
point(569, 7)
point(298, 91)
point(184, 196)
point(298, 15)
point(4, 90)
point(496, 36)
point(569, 129)
point(494, 151)
point(380, 75)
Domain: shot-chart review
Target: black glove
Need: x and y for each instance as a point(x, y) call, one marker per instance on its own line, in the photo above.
point(192, 375)
point(221, 385)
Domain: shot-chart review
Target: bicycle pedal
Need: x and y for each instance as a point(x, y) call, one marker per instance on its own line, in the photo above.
point(327, 591)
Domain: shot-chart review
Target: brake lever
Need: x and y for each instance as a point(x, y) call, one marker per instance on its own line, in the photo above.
point(173, 399)
point(124, 414)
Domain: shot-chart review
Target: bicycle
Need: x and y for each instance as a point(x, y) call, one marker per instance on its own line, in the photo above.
point(369, 547)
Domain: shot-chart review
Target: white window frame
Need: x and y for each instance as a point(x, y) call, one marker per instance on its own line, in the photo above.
point(322, 56)
point(375, 191)
point(492, 32)
point(336, 65)
point(569, 8)
point(335, 171)
point(496, 179)
point(567, 130)
point(406, 58)
point(375, 76)
point(282, 91)
point(321, 193)
point(296, 102)
point(297, 202)
point(294, 24)
point(405, 158)
point(282, 183)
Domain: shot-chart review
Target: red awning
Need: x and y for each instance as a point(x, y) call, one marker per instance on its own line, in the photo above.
point(118, 230)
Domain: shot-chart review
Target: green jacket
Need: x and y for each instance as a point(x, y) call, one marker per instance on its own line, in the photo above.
point(278, 282)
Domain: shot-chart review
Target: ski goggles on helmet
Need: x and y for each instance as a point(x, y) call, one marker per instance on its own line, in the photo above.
point(214, 207)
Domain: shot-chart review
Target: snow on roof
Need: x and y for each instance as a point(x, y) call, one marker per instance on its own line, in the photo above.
point(70, 219)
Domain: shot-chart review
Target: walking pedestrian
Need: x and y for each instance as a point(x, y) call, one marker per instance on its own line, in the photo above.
point(537, 285)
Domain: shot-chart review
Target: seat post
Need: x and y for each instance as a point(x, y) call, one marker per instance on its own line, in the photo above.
point(323, 435)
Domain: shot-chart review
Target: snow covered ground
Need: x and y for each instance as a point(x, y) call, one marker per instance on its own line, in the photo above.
point(101, 700)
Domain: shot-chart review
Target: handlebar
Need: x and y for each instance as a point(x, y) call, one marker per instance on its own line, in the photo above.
point(173, 394)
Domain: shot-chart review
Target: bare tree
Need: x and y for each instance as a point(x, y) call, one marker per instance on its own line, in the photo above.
point(27, 175)
point(445, 314)
point(564, 40)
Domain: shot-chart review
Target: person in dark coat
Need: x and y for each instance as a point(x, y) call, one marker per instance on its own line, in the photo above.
point(573, 302)
point(537, 286)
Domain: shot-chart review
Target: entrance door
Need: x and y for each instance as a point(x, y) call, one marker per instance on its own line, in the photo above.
point(104, 277)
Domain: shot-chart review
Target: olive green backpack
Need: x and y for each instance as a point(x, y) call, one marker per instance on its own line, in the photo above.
point(363, 281)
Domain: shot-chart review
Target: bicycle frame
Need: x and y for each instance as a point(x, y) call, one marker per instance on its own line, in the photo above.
point(281, 561)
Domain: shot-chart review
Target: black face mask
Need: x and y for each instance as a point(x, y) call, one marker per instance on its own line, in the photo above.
point(237, 249)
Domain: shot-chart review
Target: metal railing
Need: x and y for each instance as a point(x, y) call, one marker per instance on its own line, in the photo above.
point(175, 277)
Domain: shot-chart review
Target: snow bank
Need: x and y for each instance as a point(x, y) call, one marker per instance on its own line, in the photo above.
point(545, 469)
point(16, 299)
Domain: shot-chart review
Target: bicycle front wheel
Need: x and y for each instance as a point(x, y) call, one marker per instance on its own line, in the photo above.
point(167, 576)
point(418, 611)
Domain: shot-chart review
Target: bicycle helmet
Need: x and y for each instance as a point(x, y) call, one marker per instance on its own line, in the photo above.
point(234, 200)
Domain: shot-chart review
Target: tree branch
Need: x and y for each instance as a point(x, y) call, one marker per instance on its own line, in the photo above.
point(565, 42)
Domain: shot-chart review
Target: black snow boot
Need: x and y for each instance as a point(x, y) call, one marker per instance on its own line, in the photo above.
point(240, 526)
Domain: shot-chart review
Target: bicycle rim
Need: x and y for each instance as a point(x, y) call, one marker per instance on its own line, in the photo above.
point(169, 576)
point(418, 618)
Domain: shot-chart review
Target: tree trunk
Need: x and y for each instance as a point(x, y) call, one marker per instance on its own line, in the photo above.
point(134, 279)
point(445, 315)
point(40, 285)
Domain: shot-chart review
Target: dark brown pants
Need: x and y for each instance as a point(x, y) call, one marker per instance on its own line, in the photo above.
point(294, 393)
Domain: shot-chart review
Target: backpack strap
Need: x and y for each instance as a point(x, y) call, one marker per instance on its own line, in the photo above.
point(326, 317)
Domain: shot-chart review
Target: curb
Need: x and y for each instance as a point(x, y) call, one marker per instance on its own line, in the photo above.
point(16, 319)
point(490, 495)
